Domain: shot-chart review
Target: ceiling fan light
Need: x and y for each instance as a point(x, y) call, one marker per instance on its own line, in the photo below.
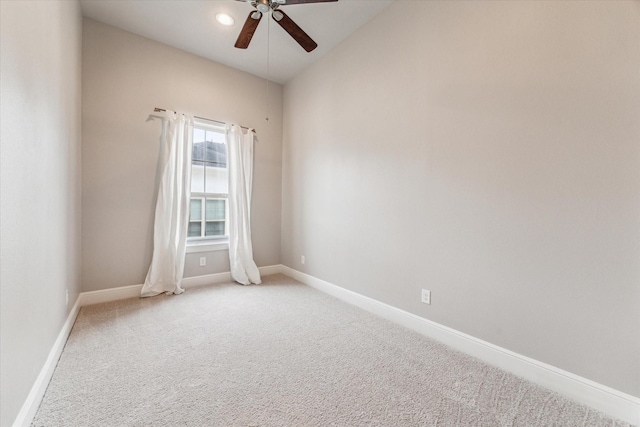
point(263, 6)
point(277, 15)
point(225, 19)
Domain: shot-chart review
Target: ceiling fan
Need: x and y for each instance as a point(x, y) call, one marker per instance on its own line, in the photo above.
point(273, 6)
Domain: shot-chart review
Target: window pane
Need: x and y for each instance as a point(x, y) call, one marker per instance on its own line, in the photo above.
point(198, 146)
point(196, 210)
point(214, 228)
point(217, 180)
point(215, 210)
point(215, 136)
point(195, 229)
point(197, 178)
point(216, 154)
point(198, 135)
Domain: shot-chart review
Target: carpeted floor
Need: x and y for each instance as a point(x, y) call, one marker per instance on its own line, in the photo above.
point(278, 354)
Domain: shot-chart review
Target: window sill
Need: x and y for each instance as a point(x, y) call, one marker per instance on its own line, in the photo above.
point(207, 246)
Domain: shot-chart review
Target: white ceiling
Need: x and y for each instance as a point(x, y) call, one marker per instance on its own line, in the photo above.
point(190, 25)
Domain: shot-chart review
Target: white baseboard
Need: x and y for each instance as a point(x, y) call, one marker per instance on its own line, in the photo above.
point(133, 291)
point(600, 397)
point(207, 279)
point(31, 404)
point(108, 295)
point(210, 279)
point(270, 269)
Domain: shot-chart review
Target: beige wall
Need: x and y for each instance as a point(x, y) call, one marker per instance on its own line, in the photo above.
point(124, 77)
point(489, 152)
point(39, 186)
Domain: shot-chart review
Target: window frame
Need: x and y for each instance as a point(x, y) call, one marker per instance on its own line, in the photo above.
point(203, 219)
point(204, 243)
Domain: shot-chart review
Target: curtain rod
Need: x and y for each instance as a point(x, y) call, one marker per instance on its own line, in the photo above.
point(159, 110)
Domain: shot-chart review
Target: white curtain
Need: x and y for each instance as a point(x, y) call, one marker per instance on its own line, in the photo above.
point(240, 149)
point(172, 207)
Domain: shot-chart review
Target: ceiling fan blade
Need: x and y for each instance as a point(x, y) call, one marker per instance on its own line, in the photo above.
point(306, 1)
point(294, 30)
point(249, 27)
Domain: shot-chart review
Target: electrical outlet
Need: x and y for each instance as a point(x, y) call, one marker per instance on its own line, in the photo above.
point(426, 296)
point(302, 259)
point(203, 261)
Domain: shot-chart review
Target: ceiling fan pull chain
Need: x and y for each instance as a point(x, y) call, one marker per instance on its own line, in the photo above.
point(268, 56)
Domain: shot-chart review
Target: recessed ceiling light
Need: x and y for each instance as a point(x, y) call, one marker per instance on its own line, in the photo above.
point(225, 19)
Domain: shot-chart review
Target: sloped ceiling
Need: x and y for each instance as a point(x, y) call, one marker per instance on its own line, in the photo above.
point(190, 25)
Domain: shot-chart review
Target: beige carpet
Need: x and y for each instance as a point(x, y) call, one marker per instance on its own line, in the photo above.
point(278, 354)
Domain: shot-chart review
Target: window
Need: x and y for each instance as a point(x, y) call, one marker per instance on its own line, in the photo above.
point(209, 213)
